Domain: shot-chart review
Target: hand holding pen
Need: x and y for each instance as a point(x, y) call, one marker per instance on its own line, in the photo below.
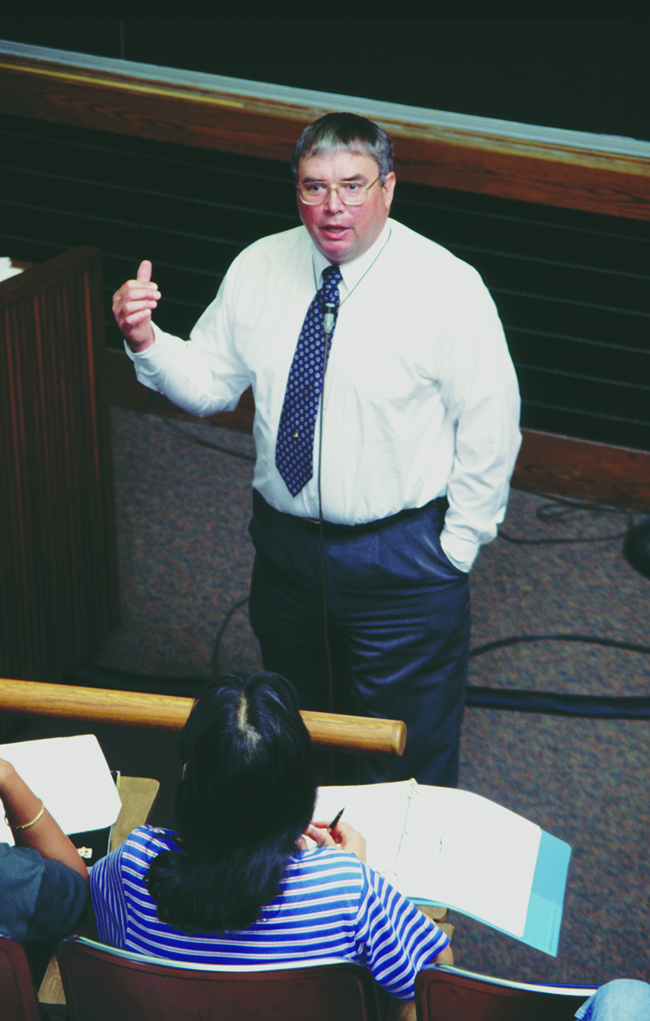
point(336, 834)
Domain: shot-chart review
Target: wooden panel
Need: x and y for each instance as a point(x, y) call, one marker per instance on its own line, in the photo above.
point(551, 464)
point(58, 580)
point(138, 795)
point(582, 469)
point(487, 163)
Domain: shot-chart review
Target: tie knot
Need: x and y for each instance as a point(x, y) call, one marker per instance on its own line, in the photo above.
point(331, 277)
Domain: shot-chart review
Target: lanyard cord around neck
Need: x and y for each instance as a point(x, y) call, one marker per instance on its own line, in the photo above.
point(362, 277)
point(328, 654)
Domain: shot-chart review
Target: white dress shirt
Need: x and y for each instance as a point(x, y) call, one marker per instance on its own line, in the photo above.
point(420, 395)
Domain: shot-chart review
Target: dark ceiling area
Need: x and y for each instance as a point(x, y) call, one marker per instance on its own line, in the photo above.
point(580, 74)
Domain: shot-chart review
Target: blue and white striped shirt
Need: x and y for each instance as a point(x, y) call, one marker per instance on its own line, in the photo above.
point(329, 905)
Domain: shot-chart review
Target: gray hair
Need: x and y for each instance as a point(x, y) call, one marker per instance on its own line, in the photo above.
point(336, 131)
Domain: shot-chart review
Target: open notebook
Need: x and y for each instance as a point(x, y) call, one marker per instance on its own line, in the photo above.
point(439, 845)
point(72, 777)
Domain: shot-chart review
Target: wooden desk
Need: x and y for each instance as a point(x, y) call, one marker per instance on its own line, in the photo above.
point(138, 796)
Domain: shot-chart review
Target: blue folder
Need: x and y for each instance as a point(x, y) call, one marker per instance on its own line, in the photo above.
point(544, 915)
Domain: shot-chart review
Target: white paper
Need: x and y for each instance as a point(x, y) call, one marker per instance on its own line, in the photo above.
point(6, 269)
point(72, 777)
point(458, 849)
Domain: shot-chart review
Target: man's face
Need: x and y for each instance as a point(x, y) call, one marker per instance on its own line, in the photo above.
point(341, 232)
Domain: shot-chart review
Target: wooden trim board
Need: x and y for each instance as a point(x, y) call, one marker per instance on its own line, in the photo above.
point(584, 470)
point(511, 161)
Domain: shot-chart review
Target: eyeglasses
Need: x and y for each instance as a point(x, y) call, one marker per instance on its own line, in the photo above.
point(351, 193)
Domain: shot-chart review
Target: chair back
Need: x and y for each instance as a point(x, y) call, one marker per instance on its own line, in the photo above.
point(445, 993)
point(102, 984)
point(18, 999)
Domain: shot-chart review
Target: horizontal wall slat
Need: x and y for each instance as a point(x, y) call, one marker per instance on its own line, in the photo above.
point(439, 155)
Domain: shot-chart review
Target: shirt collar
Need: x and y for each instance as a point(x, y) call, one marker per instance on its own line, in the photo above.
point(354, 270)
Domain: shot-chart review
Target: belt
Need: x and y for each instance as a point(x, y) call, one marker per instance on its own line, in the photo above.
point(330, 528)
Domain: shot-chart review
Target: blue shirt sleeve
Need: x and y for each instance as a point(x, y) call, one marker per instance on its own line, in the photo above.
point(394, 939)
point(40, 898)
point(109, 903)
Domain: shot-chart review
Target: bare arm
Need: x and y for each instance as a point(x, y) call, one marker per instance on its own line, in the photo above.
point(133, 305)
point(445, 956)
point(22, 806)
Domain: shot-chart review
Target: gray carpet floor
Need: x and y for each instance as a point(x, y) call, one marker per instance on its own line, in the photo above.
point(185, 560)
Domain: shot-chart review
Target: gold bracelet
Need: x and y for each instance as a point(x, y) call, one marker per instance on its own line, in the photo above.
point(26, 825)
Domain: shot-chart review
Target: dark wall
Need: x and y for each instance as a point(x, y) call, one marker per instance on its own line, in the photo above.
point(582, 74)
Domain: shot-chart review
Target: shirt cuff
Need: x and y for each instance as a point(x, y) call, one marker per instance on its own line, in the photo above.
point(460, 552)
point(148, 362)
point(137, 357)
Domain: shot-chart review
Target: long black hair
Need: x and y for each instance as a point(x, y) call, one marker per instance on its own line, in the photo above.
point(247, 793)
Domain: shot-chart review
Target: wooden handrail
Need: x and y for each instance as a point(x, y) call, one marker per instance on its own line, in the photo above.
point(167, 712)
point(575, 170)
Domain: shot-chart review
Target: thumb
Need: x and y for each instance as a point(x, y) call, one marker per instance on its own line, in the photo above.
point(144, 271)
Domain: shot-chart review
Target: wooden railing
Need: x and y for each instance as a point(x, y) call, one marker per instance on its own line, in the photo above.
point(166, 712)
point(596, 173)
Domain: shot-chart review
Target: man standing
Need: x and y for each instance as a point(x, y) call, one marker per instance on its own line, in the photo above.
point(386, 428)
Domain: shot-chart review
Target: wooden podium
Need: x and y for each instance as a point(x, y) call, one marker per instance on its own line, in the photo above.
point(58, 554)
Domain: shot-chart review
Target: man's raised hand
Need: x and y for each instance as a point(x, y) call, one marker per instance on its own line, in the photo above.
point(133, 305)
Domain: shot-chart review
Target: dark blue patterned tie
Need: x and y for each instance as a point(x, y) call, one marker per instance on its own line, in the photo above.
point(295, 442)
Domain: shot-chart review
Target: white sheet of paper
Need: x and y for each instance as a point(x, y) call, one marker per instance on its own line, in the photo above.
point(72, 777)
point(6, 269)
point(459, 849)
point(377, 811)
point(487, 860)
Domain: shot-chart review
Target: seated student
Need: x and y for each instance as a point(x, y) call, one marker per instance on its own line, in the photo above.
point(43, 881)
point(236, 884)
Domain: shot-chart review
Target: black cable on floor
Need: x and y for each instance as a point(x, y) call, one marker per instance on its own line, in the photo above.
point(553, 542)
point(557, 703)
point(557, 508)
point(214, 663)
point(586, 639)
point(550, 703)
point(191, 438)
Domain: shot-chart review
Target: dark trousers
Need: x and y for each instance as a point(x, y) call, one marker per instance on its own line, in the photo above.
point(398, 628)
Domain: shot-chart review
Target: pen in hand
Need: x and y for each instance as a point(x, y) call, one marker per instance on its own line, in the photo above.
point(335, 821)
